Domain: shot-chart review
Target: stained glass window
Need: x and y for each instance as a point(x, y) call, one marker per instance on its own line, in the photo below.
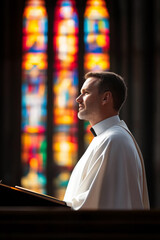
point(97, 41)
point(65, 84)
point(34, 96)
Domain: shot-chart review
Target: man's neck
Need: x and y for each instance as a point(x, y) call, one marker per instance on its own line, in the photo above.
point(92, 123)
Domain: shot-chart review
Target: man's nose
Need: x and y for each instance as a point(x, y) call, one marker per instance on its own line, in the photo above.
point(79, 98)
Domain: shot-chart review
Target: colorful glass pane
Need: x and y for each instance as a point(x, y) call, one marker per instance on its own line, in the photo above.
point(97, 43)
point(65, 85)
point(34, 96)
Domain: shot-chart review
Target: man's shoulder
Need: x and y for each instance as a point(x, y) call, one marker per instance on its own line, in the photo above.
point(116, 133)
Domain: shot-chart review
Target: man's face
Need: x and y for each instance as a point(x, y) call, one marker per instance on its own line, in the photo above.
point(89, 101)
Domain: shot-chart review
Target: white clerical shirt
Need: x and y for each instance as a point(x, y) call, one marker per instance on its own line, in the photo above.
point(110, 174)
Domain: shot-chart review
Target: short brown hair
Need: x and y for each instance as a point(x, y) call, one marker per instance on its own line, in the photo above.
point(109, 81)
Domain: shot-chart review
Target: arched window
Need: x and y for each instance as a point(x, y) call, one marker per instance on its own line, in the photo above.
point(34, 96)
point(65, 87)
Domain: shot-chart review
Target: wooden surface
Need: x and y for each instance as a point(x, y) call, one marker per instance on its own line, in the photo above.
point(53, 223)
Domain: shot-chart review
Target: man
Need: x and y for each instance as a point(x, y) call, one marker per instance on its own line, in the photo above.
point(110, 174)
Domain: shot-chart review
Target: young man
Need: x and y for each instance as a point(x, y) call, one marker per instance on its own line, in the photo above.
point(110, 174)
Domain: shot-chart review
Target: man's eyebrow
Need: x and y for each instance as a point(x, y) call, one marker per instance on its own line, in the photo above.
point(85, 89)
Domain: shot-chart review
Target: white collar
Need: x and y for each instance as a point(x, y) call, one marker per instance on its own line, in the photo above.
point(105, 124)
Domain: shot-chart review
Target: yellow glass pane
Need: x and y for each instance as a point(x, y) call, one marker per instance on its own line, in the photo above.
point(96, 9)
point(98, 61)
point(34, 11)
point(32, 59)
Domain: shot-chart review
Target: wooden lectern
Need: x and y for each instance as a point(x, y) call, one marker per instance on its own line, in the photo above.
point(17, 196)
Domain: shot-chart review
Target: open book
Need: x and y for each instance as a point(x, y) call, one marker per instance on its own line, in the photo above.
point(19, 196)
point(41, 195)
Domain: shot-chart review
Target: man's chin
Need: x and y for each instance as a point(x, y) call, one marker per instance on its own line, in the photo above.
point(81, 116)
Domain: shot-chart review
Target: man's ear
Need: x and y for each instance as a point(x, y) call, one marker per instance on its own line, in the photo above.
point(107, 96)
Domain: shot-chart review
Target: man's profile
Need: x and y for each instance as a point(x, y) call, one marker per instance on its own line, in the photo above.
point(111, 173)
